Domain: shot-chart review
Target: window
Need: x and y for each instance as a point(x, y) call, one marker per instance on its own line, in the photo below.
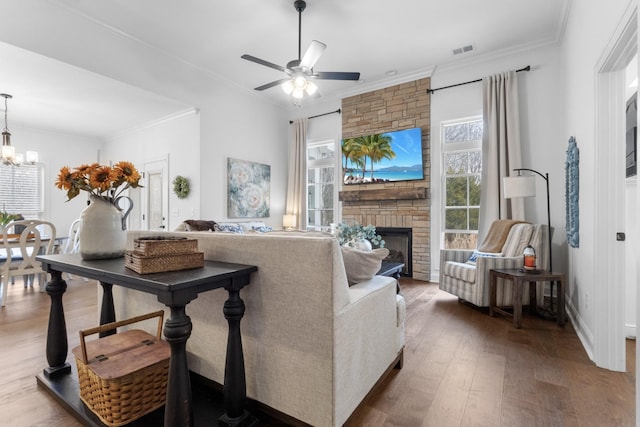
point(21, 190)
point(321, 198)
point(462, 168)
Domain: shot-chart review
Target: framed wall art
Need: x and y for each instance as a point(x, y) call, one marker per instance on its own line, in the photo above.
point(248, 189)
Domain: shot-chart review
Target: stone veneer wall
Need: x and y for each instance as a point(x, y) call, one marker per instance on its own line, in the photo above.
point(394, 108)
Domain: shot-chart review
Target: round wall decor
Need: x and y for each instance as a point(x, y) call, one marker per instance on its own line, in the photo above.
point(181, 187)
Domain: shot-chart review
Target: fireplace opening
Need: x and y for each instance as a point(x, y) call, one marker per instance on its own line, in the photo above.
point(399, 242)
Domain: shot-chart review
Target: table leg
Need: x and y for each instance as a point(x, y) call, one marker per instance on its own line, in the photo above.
point(533, 298)
point(561, 309)
point(57, 345)
point(235, 389)
point(492, 292)
point(517, 302)
point(178, 410)
point(107, 311)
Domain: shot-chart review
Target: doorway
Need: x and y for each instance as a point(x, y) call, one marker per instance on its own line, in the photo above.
point(609, 343)
point(156, 201)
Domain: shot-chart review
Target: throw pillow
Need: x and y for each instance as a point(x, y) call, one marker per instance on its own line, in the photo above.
point(474, 256)
point(361, 265)
point(199, 225)
point(229, 227)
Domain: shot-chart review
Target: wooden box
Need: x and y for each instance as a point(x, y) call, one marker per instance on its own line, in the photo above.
point(161, 245)
point(123, 376)
point(156, 264)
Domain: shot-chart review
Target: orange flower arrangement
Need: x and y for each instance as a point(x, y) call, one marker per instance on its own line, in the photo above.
point(105, 182)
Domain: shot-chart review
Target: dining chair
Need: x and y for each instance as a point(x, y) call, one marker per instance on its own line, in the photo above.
point(72, 244)
point(20, 250)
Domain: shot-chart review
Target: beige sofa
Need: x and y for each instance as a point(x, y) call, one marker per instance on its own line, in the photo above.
point(313, 346)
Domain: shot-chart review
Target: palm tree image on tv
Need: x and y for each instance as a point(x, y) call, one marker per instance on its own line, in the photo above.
point(390, 156)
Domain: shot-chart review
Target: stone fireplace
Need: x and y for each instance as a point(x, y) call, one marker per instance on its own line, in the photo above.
point(403, 204)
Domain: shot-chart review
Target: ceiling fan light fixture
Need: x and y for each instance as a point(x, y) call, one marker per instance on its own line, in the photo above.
point(300, 82)
point(288, 86)
point(298, 93)
point(311, 88)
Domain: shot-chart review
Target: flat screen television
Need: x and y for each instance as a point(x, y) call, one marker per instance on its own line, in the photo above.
point(383, 157)
point(632, 136)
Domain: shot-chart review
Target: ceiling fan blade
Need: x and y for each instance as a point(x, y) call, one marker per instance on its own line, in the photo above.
point(336, 75)
point(312, 54)
point(272, 84)
point(263, 62)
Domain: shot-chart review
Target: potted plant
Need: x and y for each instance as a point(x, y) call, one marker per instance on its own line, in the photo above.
point(359, 236)
point(6, 218)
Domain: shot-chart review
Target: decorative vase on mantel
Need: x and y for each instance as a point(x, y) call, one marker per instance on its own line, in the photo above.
point(103, 230)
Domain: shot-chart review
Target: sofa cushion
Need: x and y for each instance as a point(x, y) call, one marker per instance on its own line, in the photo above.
point(362, 265)
point(460, 270)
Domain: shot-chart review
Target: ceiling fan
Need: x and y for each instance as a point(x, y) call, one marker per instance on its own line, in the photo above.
point(299, 72)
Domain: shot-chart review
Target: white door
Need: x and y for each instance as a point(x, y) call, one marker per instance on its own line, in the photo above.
point(156, 200)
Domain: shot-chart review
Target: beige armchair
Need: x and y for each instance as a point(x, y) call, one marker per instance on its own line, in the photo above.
point(469, 281)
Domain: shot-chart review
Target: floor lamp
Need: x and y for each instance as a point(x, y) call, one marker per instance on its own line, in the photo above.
point(525, 186)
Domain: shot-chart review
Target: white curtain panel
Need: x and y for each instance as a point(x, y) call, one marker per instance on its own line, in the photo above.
point(501, 151)
point(297, 176)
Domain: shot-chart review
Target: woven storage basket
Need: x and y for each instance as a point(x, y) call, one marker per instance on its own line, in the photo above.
point(126, 377)
point(156, 264)
point(161, 245)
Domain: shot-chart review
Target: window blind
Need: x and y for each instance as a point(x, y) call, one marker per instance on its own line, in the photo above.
point(21, 189)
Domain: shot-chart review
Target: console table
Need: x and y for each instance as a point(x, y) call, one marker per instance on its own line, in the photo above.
point(519, 278)
point(175, 290)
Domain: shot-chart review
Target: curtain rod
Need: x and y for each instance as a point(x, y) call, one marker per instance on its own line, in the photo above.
point(527, 68)
point(320, 115)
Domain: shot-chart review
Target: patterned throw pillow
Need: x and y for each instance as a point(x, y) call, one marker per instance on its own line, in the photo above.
point(474, 256)
point(229, 227)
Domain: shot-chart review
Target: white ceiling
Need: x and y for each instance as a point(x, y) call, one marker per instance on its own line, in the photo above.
point(412, 37)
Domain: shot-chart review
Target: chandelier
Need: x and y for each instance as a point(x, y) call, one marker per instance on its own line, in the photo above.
point(8, 155)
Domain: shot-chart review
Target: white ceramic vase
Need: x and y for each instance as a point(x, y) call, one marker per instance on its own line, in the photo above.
point(103, 231)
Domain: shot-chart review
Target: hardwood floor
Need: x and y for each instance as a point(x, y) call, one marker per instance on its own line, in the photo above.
point(461, 367)
point(465, 368)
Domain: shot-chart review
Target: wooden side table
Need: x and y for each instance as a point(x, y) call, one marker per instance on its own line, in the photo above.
point(519, 278)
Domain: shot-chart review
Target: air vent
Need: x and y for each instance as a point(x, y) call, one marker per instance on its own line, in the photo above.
point(463, 49)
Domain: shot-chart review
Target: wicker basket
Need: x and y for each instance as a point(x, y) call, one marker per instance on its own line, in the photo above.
point(126, 377)
point(161, 245)
point(156, 264)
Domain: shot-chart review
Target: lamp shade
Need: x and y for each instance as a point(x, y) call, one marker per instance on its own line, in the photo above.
point(518, 186)
point(288, 221)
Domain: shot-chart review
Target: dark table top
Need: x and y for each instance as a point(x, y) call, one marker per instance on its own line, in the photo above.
point(213, 275)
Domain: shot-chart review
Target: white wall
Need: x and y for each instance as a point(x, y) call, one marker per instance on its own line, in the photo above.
point(56, 150)
point(229, 125)
point(540, 121)
point(177, 139)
